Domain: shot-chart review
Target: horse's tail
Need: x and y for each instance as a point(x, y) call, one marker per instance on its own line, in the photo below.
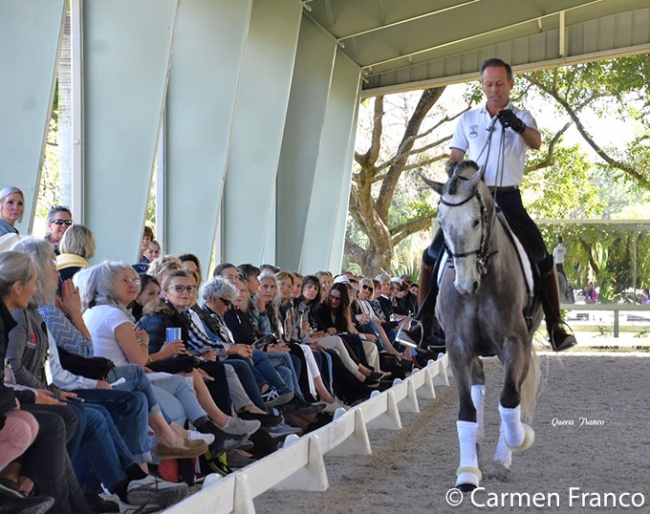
point(528, 393)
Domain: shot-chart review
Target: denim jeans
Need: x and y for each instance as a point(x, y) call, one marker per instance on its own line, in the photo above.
point(284, 364)
point(244, 371)
point(182, 394)
point(136, 380)
point(128, 411)
point(103, 456)
point(271, 376)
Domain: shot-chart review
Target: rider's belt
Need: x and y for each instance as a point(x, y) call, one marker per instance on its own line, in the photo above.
point(507, 189)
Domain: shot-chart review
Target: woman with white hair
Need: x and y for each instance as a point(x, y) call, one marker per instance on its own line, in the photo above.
point(12, 206)
point(104, 456)
point(106, 291)
point(218, 294)
point(47, 440)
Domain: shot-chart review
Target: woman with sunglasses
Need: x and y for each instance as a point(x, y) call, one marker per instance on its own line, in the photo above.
point(366, 319)
point(334, 317)
point(99, 452)
point(12, 205)
point(108, 290)
point(59, 219)
point(173, 309)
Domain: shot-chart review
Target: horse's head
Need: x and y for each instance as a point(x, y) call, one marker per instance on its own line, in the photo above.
point(463, 218)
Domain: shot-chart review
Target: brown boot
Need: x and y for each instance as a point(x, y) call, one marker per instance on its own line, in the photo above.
point(559, 338)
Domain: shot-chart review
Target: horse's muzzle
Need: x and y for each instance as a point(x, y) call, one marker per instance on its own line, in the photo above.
point(466, 287)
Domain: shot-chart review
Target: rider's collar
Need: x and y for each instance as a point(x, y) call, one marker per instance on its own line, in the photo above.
point(484, 109)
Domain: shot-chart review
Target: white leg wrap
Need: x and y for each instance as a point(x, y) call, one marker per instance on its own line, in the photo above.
point(467, 475)
point(467, 439)
point(514, 430)
point(503, 454)
point(478, 398)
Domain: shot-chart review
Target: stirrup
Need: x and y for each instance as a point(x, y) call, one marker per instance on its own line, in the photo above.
point(569, 340)
point(406, 336)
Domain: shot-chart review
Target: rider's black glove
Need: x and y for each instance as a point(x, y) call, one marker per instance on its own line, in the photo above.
point(508, 119)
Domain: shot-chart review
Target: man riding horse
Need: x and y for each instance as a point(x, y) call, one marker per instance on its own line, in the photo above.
point(500, 149)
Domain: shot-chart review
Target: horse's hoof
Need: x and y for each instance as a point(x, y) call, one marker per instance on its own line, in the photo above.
point(467, 478)
point(529, 439)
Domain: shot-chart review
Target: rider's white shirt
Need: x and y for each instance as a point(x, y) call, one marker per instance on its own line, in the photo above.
point(472, 134)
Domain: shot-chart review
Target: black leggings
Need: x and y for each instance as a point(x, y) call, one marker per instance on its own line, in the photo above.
point(219, 386)
point(46, 461)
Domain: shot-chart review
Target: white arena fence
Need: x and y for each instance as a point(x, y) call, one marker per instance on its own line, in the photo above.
point(299, 464)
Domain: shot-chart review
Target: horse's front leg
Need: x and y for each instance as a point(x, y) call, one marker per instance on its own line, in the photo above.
point(514, 435)
point(468, 474)
point(478, 399)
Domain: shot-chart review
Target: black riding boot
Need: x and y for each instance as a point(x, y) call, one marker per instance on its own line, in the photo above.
point(559, 338)
point(425, 335)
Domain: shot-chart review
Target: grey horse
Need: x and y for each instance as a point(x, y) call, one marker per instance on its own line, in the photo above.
point(484, 308)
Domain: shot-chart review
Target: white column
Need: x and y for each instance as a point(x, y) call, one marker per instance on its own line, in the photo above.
point(303, 129)
point(258, 124)
point(30, 38)
point(322, 247)
point(127, 49)
point(208, 53)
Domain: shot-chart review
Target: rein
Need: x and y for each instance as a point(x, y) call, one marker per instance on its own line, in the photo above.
point(482, 252)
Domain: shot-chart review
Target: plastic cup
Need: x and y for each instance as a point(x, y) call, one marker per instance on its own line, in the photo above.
point(173, 334)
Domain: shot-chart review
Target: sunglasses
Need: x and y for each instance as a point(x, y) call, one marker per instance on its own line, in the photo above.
point(180, 288)
point(62, 222)
point(366, 286)
point(337, 298)
point(227, 303)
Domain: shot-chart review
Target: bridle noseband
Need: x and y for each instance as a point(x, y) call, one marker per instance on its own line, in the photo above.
point(483, 251)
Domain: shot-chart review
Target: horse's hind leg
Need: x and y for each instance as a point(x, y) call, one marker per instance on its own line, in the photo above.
point(468, 474)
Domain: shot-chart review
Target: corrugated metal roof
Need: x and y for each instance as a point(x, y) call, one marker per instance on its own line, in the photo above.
point(409, 44)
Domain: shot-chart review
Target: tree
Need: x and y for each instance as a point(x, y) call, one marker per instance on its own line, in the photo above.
point(375, 181)
point(558, 179)
point(617, 85)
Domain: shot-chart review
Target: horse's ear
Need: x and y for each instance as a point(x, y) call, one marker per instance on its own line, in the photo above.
point(475, 179)
point(436, 186)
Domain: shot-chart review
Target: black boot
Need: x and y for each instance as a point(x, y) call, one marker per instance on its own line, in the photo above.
point(559, 338)
point(32, 505)
point(425, 333)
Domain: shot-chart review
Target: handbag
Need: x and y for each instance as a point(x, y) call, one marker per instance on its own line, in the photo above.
point(90, 367)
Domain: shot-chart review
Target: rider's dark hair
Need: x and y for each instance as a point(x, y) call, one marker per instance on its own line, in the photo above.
point(496, 63)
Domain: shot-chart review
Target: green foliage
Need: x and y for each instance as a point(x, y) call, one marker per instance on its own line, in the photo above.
point(407, 268)
point(605, 254)
point(563, 189)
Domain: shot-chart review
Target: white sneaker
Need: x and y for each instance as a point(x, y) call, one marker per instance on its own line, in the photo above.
point(193, 435)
